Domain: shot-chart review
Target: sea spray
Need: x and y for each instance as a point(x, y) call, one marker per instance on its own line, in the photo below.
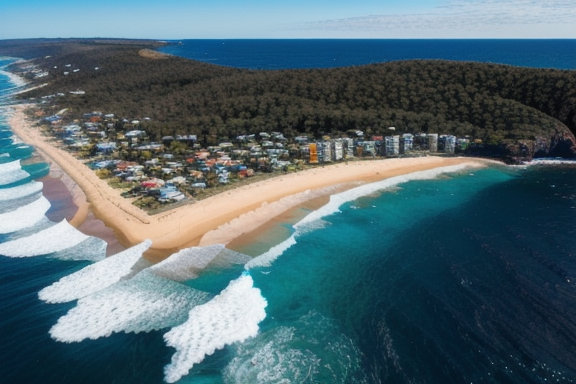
point(94, 277)
point(232, 316)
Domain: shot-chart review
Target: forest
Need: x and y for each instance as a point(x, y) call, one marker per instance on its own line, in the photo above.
point(506, 107)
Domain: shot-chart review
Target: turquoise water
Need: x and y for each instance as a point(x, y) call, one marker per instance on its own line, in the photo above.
point(451, 280)
point(461, 276)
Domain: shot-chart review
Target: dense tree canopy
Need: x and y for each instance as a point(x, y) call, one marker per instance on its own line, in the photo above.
point(495, 103)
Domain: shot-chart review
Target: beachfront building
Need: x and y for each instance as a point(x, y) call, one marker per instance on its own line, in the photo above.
point(348, 148)
point(433, 142)
point(392, 145)
point(449, 143)
point(369, 148)
point(325, 151)
point(338, 149)
point(406, 143)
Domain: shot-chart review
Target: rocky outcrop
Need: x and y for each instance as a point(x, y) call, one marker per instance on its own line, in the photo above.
point(559, 143)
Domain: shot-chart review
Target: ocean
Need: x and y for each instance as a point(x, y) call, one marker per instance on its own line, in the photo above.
point(445, 276)
point(329, 53)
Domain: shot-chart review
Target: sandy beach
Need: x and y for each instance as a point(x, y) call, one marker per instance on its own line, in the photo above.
point(223, 217)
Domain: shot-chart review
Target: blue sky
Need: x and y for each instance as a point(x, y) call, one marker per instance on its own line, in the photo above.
point(182, 19)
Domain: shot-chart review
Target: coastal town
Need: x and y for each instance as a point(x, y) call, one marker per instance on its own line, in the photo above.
point(181, 168)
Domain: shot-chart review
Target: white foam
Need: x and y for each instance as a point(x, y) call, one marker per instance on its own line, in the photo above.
point(53, 239)
point(312, 349)
point(20, 191)
point(9, 167)
point(25, 216)
point(28, 231)
point(337, 200)
point(91, 249)
point(12, 205)
point(274, 360)
point(12, 172)
point(550, 162)
point(94, 277)
point(186, 264)
point(14, 79)
point(232, 316)
point(314, 219)
point(142, 304)
point(266, 259)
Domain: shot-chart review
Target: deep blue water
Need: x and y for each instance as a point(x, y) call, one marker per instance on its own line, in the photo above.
point(327, 53)
point(466, 277)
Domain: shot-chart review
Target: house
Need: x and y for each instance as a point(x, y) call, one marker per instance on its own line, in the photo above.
point(106, 148)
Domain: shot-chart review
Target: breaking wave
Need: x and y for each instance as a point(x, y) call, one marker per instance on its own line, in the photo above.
point(337, 200)
point(186, 264)
point(92, 249)
point(12, 205)
point(11, 173)
point(43, 224)
point(56, 238)
point(20, 191)
point(267, 258)
point(314, 220)
point(144, 303)
point(17, 81)
point(232, 316)
point(544, 161)
point(25, 216)
point(94, 277)
point(9, 167)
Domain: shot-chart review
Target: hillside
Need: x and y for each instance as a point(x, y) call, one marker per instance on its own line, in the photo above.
point(511, 111)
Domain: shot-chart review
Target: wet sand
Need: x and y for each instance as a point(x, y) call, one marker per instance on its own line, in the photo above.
point(66, 198)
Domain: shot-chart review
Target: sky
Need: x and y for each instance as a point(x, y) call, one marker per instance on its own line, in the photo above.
point(228, 19)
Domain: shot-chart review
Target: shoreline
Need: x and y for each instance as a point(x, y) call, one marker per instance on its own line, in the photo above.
point(224, 217)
